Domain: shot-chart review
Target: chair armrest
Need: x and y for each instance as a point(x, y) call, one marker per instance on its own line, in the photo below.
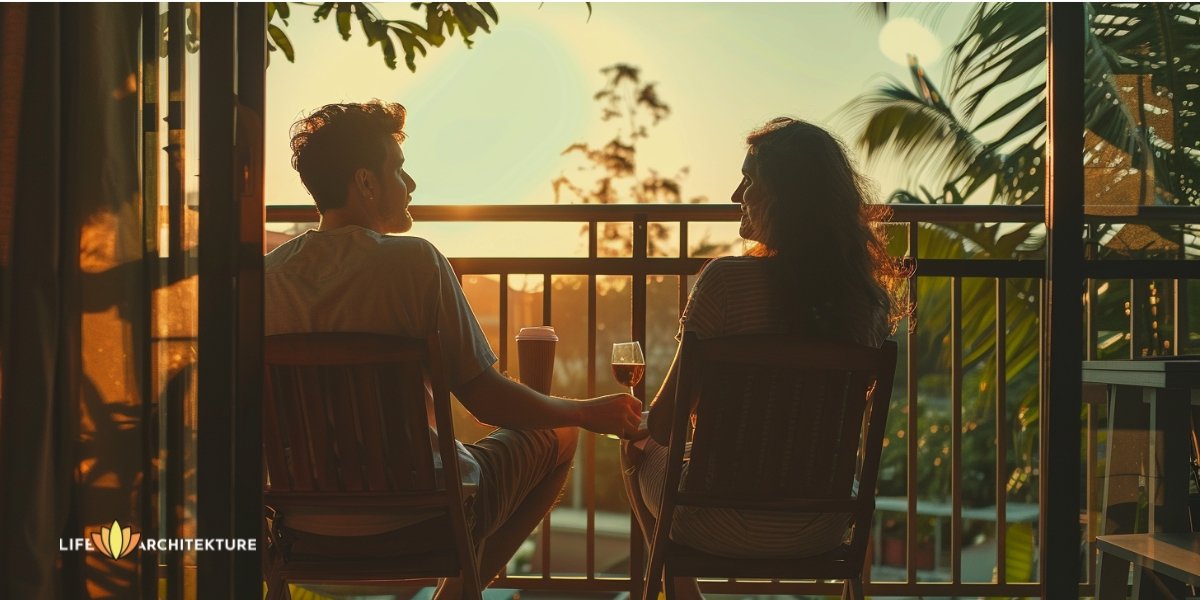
point(839, 505)
point(353, 499)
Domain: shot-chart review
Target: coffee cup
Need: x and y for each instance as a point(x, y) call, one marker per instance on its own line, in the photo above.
point(535, 350)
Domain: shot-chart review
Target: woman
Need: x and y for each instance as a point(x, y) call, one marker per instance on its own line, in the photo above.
point(817, 267)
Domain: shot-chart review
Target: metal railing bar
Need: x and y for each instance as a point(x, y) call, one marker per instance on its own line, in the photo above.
point(1186, 215)
point(882, 589)
point(834, 588)
point(1178, 316)
point(546, 300)
point(911, 380)
point(1132, 310)
point(683, 238)
point(589, 454)
point(927, 267)
point(638, 322)
point(1142, 269)
point(1090, 347)
point(956, 427)
point(546, 525)
point(640, 267)
point(503, 319)
point(638, 327)
point(1001, 431)
point(683, 279)
point(1043, 425)
point(1089, 320)
point(1093, 443)
point(962, 267)
point(945, 213)
point(546, 545)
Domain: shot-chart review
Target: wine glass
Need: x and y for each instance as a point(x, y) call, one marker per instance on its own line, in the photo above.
point(628, 366)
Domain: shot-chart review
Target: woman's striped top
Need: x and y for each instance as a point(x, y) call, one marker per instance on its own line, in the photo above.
point(735, 296)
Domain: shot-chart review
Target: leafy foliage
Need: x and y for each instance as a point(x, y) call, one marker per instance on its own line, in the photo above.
point(610, 171)
point(1004, 45)
point(442, 20)
point(1142, 89)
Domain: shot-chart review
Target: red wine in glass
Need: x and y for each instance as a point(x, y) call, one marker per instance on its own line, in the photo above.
point(628, 374)
point(628, 365)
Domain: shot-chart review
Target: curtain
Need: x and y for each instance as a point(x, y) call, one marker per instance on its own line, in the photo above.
point(72, 341)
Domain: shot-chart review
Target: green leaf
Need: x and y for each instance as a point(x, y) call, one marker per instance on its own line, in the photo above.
point(491, 10)
point(374, 30)
point(285, 11)
point(1035, 117)
point(416, 29)
point(343, 20)
point(1011, 106)
point(323, 11)
point(281, 40)
point(411, 46)
point(389, 52)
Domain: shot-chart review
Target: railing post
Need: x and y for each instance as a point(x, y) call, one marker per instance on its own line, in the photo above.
point(249, 213)
point(217, 343)
point(149, 151)
point(229, 460)
point(1063, 344)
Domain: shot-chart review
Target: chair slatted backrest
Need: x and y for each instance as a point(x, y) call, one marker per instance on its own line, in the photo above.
point(347, 413)
point(780, 421)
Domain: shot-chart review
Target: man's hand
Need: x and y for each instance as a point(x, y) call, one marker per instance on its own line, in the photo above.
point(619, 414)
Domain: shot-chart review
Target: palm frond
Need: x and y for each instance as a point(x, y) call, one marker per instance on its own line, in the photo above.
point(924, 133)
point(1002, 42)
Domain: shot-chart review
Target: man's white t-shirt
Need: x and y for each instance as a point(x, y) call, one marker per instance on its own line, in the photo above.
point(352, 279)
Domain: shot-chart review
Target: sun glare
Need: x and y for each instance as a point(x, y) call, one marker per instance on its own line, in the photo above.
point(903, 36)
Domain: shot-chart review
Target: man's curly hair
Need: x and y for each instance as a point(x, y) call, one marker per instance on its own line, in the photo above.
point(336, 140)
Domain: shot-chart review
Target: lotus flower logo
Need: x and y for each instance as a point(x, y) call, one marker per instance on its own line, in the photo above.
point(114, 541)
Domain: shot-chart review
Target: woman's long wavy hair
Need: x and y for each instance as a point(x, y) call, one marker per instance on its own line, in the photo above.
point(822, 236)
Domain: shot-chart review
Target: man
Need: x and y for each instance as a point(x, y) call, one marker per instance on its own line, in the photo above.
point(347, 275)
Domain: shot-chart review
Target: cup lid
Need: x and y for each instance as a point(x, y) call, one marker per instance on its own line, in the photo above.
point(544, 332)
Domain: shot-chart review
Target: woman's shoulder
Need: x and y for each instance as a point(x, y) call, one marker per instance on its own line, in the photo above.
point(734, 264)
point(734, 269)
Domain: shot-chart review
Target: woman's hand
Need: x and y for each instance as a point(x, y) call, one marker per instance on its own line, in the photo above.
point(618, 414)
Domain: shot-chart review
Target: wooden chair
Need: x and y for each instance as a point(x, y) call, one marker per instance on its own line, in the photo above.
point(781, 424)
point(346, 428)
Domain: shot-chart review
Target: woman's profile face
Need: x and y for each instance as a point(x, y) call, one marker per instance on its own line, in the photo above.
point(752, 195)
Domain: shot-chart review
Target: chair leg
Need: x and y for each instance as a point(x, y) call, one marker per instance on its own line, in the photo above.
point(853, 589)
point(472, 589)
point(668, 579)
point(653, 585)
point(654, 576)
point(277, 589)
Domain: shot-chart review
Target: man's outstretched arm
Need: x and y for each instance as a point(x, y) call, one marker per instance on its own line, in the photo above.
point(496, 400)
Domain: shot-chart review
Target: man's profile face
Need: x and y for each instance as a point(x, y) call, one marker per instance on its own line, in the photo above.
point(396, 193)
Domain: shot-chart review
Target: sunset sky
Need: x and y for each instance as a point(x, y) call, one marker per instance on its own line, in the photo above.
point(487, 125)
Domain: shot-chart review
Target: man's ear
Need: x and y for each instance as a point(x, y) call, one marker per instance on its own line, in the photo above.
point(364, 182)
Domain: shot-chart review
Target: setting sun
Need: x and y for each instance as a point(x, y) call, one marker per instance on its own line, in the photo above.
point(903, 36)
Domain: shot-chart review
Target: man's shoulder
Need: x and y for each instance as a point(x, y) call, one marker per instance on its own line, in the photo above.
point(408, 248)
point(352, 242)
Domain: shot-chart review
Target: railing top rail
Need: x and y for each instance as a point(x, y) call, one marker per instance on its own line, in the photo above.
point(942, 213)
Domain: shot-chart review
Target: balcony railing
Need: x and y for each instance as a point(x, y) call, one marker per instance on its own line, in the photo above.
point(945, 278)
